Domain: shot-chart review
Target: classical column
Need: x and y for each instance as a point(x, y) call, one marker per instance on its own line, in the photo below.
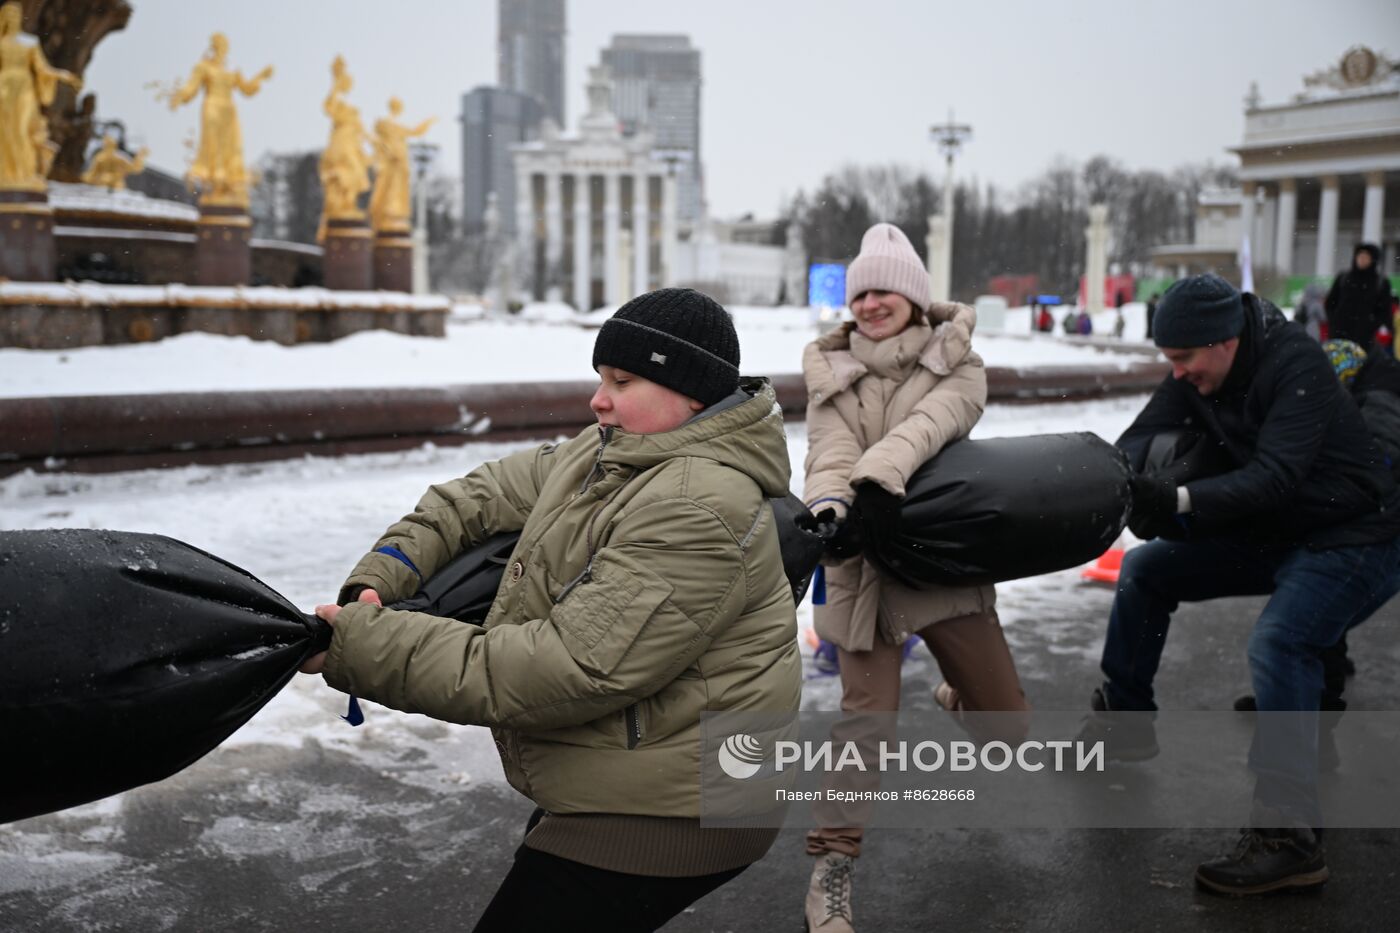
point(641, 228)
point(1265, 225)
point(1095, 257)
point(583, 268)
point(525, 232)
point(612, 226)
point(1375, 208)
point(1327, 227)
point(1248, 205)
point(553, 237)
point(1287, 219)
point(668, 230)
point(936, 243)
point(625, 268)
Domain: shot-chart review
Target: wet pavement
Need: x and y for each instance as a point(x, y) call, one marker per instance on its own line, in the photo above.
point(275, 836)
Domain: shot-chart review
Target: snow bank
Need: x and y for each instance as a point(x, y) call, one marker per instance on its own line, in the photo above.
point(543, 343)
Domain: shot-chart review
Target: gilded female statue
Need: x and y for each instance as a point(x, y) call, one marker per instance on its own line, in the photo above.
point(110, 165)
point(389, 205)
point(27, 84)
point(344, 162)
point(218, 168)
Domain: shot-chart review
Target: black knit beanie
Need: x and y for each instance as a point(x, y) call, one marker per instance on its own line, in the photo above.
point(1198, 311)
point(676, 337)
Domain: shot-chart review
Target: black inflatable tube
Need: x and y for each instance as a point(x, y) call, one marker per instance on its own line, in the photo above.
point(986, 511)
point(126, 657)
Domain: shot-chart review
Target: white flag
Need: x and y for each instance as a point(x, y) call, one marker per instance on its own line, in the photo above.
point(1246, 267)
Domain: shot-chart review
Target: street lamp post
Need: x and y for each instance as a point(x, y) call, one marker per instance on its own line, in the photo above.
point(950, 137)
point(422, 154)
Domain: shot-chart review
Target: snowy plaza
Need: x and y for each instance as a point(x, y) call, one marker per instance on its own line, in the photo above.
point(776, 383)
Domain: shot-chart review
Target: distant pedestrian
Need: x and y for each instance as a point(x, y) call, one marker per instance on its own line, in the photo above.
point(1152, 312)
point(1358, 304)
point(1083, 324)
point(1046, 321)
point(1311, 312)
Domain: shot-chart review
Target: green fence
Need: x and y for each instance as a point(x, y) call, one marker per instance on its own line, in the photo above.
point(1286, 293)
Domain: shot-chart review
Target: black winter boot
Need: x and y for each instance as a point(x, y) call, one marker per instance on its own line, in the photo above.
point(1266, 860)
point(1127, 735)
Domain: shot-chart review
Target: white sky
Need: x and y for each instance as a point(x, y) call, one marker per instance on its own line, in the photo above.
point(792, 88)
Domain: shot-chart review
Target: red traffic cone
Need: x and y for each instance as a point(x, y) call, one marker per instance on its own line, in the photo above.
point(1105, 569)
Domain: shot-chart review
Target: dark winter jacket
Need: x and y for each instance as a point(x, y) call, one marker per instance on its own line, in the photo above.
point(1377, 392)
point(1305, 467)
point(1359, 302)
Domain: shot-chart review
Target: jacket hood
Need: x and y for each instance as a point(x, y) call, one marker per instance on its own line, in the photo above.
point(831, 367)
point(1375, 252)
point(748, 437)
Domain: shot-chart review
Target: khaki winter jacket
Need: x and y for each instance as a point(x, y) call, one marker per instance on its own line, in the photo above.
point(647, 588)
point(876, 411)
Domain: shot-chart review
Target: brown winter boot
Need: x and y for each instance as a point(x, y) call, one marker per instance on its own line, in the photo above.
point(829, 895)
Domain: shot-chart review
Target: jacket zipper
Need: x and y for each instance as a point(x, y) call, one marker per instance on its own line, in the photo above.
point(605, 435)
point(587, 573)
point(634, 726)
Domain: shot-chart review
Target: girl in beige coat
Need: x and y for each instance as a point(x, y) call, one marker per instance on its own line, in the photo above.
point(884, 394)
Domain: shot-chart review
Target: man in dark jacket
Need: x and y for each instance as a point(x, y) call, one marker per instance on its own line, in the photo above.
point(1303, 508)
point(1359, 302)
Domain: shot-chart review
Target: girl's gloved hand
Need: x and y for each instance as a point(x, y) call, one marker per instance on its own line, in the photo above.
point(878, 510)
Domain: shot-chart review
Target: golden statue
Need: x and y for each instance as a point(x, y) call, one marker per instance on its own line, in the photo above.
point(344, 162)
point(110, 166)
point(218, 168)
point(27, 84)
point(389, 205)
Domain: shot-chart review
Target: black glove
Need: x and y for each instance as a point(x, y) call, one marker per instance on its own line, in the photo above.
point(842, 537)
point(877, 510)
point(1153, 514)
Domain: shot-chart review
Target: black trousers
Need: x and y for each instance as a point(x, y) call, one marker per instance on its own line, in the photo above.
point(546, 893)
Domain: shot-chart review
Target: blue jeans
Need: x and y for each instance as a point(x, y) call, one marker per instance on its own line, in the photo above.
point(1316, 597)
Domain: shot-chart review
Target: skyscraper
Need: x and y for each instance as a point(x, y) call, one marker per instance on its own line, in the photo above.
point(656, 87)
point(530, 51)
point(493, 120)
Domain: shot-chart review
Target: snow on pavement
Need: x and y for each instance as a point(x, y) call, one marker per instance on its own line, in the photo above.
point(300, 525)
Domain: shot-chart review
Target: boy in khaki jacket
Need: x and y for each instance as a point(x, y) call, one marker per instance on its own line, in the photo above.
point(647, 587)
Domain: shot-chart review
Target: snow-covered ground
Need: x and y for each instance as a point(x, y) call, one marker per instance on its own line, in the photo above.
point(545, 343)
point(300, 525)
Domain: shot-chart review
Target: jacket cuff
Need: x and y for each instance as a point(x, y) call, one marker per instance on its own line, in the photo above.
point(837, 504)
point(390, 577)
point(894, 485)
point(336, 672)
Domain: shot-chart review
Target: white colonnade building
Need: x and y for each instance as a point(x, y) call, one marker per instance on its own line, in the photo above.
point(595, 212)
point(1322, 173)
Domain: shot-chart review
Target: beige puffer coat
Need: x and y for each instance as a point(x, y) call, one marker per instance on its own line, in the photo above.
point(876, 411)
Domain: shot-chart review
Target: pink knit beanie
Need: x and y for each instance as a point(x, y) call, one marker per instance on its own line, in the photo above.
point(888, 263)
